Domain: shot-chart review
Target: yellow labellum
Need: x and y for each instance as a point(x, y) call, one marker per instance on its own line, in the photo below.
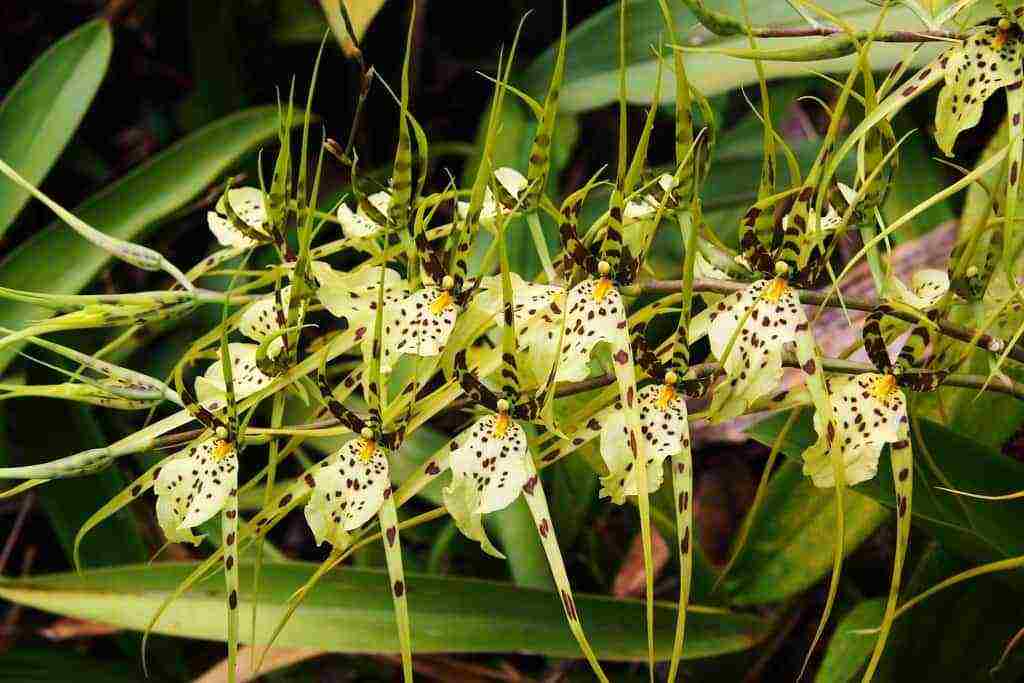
point(884, 387)
point(604, 285)
point(668, 393)
point(222, 450)
point(369, 447)
point(501, 425)
point(440, 303)
point(775, 290)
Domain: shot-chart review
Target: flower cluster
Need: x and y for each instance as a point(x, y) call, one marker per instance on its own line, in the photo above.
point(423, 324)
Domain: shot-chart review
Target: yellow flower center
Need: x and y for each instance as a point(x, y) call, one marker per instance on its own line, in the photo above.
point(775, 290)
point(368, 449)
point(221, 450)
point(883, 387)
point(601, 289)
point(440, 303)
point(665, 396)
point(501, 425)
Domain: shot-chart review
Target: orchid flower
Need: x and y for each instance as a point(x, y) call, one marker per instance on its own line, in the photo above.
point(927, 287)
point(240, 219)
point(491, 462)
point(246, 375)
point(511, 184)
point(353, 485)
point(871, 412)
point(365, 222)
point(193, 487)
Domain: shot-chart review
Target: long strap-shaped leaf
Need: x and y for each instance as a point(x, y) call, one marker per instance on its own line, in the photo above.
point(903, 479)
point(393, 556)
point(536, 500)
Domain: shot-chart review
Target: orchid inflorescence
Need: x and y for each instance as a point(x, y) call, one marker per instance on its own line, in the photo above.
point(413, 311)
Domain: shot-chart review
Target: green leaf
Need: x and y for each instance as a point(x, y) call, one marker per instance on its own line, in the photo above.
point(44, 664)
point(43, 109)
point(591, 77)
point(350, 610)
point(57, 260)
point(922, 643)
point(790, 544)
point(29, 437)
point(974, 529)
point(848, 651)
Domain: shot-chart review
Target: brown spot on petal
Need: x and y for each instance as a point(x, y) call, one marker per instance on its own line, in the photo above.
point(530, 483)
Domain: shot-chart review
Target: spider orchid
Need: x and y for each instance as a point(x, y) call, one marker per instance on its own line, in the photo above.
point(491, 462)
point(511, 185)
point(369, 218)
point(870, 413)
point(425, 318)
point(247, 377)
point(192, 488)
point(240, 218)
point(353, 485)
point(665, 429)
point(990, 59)
point(927, 287)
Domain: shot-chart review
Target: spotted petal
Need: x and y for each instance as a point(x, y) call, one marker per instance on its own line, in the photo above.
point(988, 60)
point(488, 473)
point(763, 317)
point(663, 421)
point(173, 486)
point(512, 182)
point(356, 224)
point(537, 314)
point(353, 296)
point(260, 320)
point(350, 488)
point(869, 412)
point(927, 287)
point(249, 205)
point(594, 314)
point(246, 377)
point(192, 489)
point(424, 322)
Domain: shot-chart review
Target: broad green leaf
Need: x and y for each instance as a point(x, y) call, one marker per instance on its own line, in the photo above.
point(32, 664)
point(848, 651)
point(591, 78)
point(983, 612)
point(43, 109)
point(974, 529)
point(29, 437)
point(57, 260)
point(790, 544)
point(350, 610)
